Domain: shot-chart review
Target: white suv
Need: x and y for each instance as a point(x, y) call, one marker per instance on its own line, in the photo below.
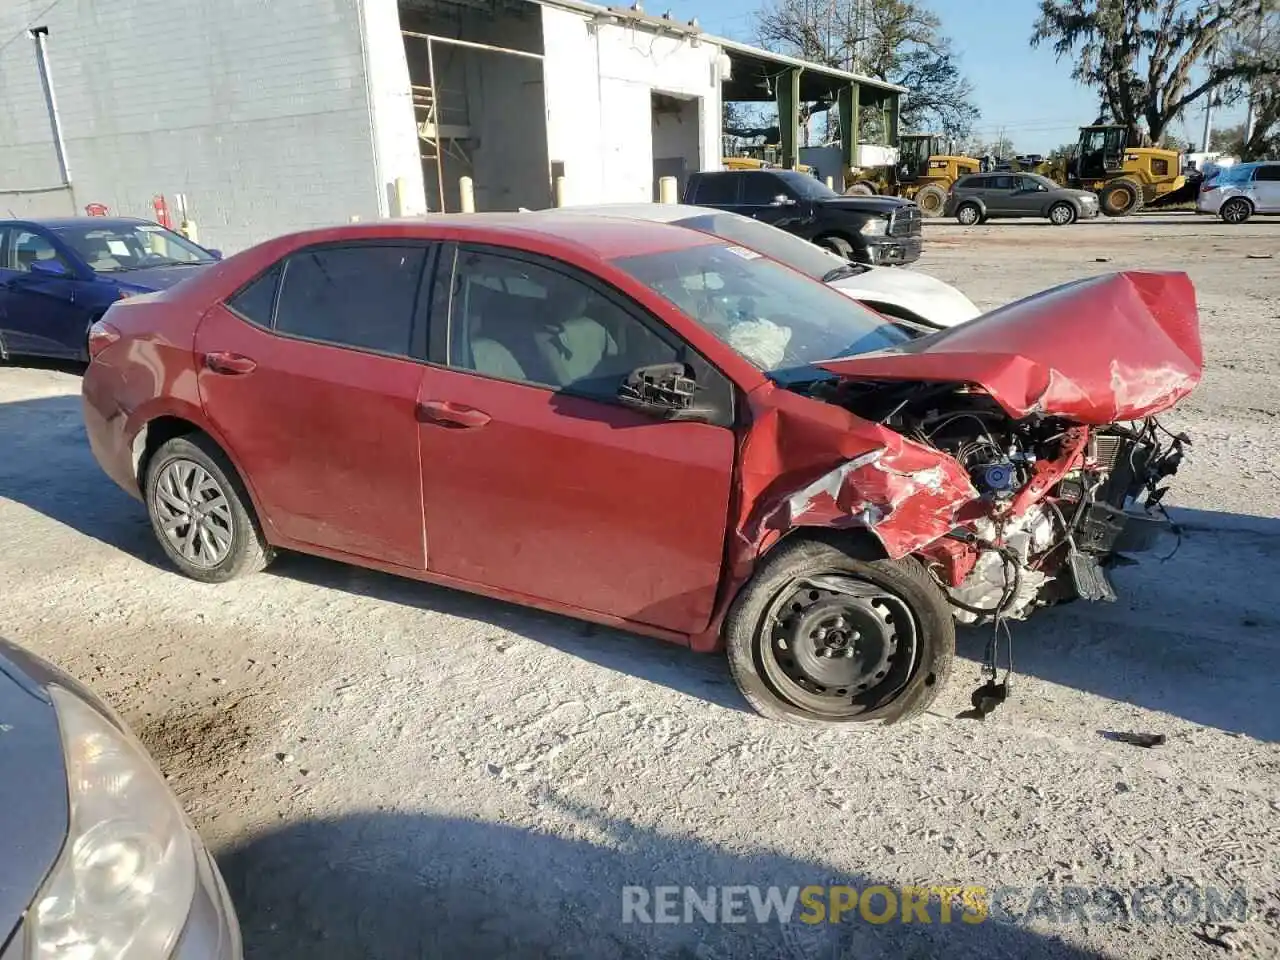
point(1237, 192)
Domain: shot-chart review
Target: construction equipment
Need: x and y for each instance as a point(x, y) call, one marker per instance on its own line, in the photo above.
point(925, 171)
point(1126, 177)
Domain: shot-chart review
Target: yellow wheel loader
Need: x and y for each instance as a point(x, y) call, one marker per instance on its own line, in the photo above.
point(925, 173)
point(1125, 178)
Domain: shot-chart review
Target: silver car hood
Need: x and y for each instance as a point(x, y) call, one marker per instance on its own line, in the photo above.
point(938, 303)
point(33, 785)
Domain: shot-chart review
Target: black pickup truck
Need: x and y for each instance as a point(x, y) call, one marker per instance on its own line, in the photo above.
point(878, 230)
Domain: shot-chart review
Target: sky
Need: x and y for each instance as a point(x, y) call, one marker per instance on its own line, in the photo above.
point(1022, 92)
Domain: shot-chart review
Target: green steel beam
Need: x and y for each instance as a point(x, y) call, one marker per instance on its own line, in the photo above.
point(789, 116)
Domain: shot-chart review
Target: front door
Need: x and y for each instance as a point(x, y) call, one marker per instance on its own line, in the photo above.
point(1027, 198)
point(536, 481)
point(314, 389)
point(39, 313)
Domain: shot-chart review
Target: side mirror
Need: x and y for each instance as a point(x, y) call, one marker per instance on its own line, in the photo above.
point(50, 268)
point(662, 390)
point(215, 253)
point(782, 200)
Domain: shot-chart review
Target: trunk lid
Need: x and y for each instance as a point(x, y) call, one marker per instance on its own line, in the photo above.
point(1116, 347)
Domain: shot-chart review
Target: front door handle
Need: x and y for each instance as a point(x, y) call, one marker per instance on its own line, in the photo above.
point(451, 414)
point(232, 364)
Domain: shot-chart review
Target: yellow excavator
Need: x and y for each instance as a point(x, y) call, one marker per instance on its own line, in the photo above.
point(925, 172)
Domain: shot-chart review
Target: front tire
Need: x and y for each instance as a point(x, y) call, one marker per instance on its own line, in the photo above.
point(932, 200)
point(1236, 210)
point(1061, 214)
point(837, 245)
point(201, 513)
point(826, 634)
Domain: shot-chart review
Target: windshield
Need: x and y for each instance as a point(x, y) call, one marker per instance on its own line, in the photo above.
point(784, 247)
point(115, 248)
point(808, 188)
point(778, 319)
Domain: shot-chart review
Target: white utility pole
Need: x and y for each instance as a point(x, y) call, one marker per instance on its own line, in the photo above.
point(1208, 105)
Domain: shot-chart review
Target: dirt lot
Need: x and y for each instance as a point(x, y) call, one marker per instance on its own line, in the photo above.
point(390, 770)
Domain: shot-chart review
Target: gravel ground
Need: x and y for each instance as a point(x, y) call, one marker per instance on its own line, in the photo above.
point(386, 769)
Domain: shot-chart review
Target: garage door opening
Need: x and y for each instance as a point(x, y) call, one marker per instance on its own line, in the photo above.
point(677, 138)
point(478, 96)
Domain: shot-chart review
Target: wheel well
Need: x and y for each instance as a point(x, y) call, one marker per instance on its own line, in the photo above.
point(971, 202)
point(1242, 199)
point(155, 434)
point(857, 541)
point(835, 235)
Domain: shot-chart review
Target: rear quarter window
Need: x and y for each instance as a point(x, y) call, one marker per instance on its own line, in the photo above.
point(257, 301)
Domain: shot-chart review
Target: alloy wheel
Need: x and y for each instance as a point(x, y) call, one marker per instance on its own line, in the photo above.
point(193, 514)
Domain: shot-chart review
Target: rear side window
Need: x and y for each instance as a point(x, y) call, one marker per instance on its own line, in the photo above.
point(999, 183)
point(359, 296)
point(1270, 172)
point(257, 301)
point(717, 190)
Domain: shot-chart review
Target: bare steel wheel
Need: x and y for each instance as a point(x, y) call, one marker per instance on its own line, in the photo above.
point(193, 513)
point(825, 632)
point(201, 512)
point(839, 646)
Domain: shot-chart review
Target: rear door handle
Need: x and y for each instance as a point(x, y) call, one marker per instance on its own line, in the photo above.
point(452, 414)
point(233, 364)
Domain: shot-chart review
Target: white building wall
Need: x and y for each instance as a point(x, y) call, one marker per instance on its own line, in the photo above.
point(265, 113)
point(599, 83)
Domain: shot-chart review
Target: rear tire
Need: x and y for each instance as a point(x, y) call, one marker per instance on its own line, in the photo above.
point(1120, 198)
point(1236, 210)
point(837, 245)
point(803, 653)
point(932, 200)
point(1062, 214)
point(969, 214)
point(201, 513)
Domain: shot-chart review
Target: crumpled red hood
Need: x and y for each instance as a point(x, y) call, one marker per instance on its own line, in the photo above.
point(1117, 347)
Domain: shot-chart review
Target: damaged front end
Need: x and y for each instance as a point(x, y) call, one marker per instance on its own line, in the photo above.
point(1018, 455)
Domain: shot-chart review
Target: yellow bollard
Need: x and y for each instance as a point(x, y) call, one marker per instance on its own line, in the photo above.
point(400, 191)
point(560, 192)
point(467, 194)
point(831, 183)
point(667, 190)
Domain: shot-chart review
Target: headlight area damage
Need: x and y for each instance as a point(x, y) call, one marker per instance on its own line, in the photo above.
point(1015, 455)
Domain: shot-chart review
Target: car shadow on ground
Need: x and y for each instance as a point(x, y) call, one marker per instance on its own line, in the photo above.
point(1196, 636)
point(422, 885)
point(703, 676)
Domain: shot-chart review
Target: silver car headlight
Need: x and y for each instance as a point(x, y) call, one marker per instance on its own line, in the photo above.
point(875, 228)
point(123, 885)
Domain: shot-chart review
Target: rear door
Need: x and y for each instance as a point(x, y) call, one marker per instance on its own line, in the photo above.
point(1266, 188)
point(719, 190)
point(40, 314)
point(311, 374)
point(536, 481)
point(997, 194)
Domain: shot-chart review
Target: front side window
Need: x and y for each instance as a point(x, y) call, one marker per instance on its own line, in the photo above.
point(519, 320)
point(779, 320)
point(761, 189)
point(358, 296)
point(120, 247)
point(717, 190)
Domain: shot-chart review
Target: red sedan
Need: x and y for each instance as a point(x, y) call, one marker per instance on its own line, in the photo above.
point(644, 426)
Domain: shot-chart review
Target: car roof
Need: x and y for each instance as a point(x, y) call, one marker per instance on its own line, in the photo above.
point(598, 237)
point(654, 212)
point(53, 223)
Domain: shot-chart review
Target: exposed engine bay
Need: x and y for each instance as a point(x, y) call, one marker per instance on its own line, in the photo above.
point(1058, 501)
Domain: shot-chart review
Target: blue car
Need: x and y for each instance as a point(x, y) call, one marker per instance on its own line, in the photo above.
point(58, 276)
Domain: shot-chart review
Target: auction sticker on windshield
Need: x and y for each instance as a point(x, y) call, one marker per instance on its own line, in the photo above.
point(744, 253)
